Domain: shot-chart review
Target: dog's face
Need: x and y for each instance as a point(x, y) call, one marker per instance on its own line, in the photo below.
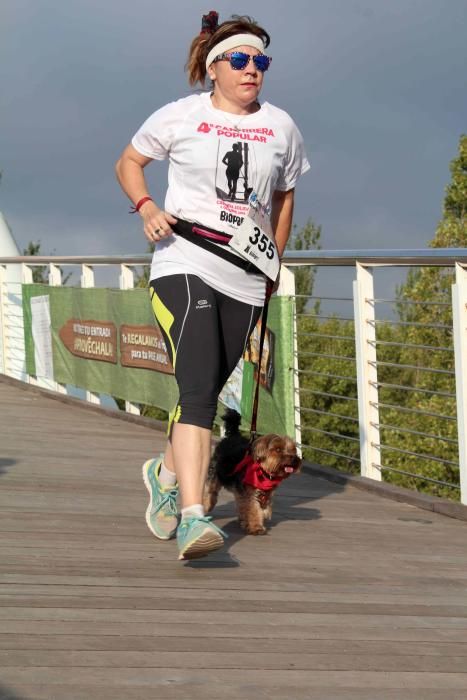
point(277, 455)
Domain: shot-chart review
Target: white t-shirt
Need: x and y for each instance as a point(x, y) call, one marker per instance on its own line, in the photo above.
point(216, 159)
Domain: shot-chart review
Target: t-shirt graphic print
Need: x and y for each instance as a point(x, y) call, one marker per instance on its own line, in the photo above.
point(234, 162)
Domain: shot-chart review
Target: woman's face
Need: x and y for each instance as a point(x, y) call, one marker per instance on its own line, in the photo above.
point(240, 87)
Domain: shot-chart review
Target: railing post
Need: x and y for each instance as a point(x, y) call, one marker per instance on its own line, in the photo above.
point(3, 323)
point(367, 375)
point(26, 274)
point(127, 277)
point(459, 319)
point(87, 280)
point(12, 352)
point(55, 275)
point(26, 278)
point(127, 281)
point(87, 276)
point(55, 280)
point(287, 288)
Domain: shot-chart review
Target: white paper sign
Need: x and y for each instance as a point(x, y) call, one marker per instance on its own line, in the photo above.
point(42, 336)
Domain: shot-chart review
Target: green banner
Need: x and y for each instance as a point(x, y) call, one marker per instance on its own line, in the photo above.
point(106, 341)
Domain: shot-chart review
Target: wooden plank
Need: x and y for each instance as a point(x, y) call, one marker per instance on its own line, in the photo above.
point(222, 565)
point(288, 633)
point(245, 680)
point(249, 645)
point(177, 591)
point(284, 583)
point(280, 660)
point(349, 596)
point(139, 540)
point(231, 692)
point(446, 614)
point(266, 621)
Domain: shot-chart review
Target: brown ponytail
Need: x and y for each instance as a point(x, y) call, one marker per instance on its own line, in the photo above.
point(211, 34)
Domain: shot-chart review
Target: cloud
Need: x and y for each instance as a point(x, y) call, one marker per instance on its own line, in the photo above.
point(374, 87)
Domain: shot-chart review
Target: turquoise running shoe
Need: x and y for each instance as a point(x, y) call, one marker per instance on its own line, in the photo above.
point(161, 513)
point(197, 536)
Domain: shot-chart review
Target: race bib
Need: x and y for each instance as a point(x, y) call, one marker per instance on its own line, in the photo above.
point(256, 245)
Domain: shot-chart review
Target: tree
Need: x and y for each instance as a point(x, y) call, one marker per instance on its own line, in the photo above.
point(326, 351)
point(414, 353)
point(426, 357)
point(328, 390)
point(430, 283)
point(39, 272)
point(452, 230)
point(142, 277)
point(307, 238)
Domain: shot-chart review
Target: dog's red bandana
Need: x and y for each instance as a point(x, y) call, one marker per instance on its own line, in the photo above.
point(255, 475)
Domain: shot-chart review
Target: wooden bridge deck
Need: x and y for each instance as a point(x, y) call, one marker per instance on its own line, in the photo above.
point(350, 596)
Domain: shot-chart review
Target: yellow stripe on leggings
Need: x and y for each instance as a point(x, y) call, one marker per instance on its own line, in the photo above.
point(165, 319)
point(174, 417)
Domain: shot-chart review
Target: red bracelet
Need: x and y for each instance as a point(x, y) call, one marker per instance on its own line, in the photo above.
point(139, 204)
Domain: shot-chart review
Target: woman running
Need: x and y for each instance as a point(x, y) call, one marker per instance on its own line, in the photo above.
point(211, 259)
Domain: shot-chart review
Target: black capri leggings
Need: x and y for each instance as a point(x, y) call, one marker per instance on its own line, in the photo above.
point(206, 333)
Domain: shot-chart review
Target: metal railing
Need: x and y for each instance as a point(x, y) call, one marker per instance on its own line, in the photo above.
point(384, 396)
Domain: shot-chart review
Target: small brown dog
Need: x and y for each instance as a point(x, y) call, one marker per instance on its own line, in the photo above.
point(251, 473)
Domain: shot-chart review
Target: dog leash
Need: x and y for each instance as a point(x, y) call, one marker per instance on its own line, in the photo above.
point(264, 318)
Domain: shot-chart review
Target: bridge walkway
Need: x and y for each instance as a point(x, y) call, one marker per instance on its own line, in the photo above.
point(349, 597)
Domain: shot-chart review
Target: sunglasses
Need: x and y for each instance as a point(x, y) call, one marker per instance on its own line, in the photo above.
point(239, 60)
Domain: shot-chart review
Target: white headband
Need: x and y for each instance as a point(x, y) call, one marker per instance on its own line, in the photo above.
point(232, 42)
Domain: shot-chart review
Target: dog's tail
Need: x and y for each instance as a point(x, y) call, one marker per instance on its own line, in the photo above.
point(232, 421)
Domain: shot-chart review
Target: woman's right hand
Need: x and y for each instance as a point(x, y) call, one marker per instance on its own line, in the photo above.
point(129, 170)
point(156, 223)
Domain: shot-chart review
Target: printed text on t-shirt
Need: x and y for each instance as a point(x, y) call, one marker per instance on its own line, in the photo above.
point(258, 134)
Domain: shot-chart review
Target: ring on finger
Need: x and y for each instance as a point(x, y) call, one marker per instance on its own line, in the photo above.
point(157, 230)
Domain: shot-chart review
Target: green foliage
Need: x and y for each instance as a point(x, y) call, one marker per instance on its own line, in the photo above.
point(307, 238)
point(415, 358)
point(452, 229)
point(328, 391)
point(40, 272)
point(146, 411)
point(154, 412)
point(431, 284)
point(328, 395)
point(429, 318)
point(424, 358)
point(142, 276)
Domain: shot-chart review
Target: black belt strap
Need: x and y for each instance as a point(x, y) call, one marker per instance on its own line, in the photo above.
point(185, 230)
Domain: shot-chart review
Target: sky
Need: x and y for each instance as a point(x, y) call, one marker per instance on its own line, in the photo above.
point(377, 88)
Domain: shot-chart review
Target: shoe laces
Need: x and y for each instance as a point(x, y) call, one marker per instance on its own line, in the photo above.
point(169, 499)
point(186, 522)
